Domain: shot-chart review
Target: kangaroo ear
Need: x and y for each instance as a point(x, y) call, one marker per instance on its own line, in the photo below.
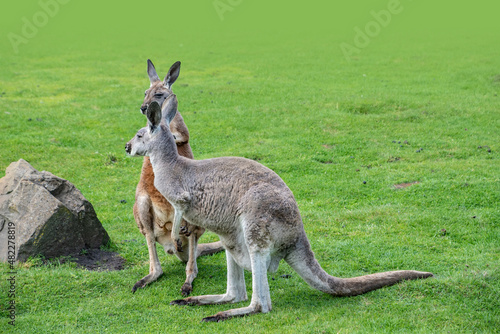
point(153, 77)
point(153, 113)
point(173, 74)
point(170, 108)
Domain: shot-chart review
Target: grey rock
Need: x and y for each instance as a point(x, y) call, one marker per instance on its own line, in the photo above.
point(44, 214)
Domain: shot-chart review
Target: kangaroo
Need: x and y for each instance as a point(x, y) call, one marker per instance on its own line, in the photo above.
point(251, 209)
point(152, 212)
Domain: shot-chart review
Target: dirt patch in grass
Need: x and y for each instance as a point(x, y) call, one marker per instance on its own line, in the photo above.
point(89, 259)
point(99, 260)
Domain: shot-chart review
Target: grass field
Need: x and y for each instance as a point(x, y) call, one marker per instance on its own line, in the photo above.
point(389, 139)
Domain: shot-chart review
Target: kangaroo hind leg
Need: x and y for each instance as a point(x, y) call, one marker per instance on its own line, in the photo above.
point(236, 289)
point(261, 297)
point(144, 219)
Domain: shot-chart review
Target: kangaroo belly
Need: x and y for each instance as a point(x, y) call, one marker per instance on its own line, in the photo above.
point(162, 215)
point(242, 258)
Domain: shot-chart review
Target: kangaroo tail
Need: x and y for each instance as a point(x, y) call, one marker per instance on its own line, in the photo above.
point(210, 248)
point(362, 284)
point(302, 260)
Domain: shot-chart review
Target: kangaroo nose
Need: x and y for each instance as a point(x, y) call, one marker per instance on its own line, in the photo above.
point(128, 148)
point(144, 107)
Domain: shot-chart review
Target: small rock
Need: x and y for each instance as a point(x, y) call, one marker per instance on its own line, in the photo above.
point(123, 201)
point(364, 182)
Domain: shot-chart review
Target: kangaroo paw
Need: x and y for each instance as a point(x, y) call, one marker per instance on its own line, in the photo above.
point(185, 231)
point(178, 244)
point(186, 289)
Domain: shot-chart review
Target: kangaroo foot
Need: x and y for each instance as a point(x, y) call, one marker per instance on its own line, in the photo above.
point(234, 313)
point(145, 281)
point(139, 285)
point(180, 302)
point(186, 289)
point(215, 318)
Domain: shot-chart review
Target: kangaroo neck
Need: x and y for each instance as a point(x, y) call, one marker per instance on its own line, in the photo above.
point(164, 152)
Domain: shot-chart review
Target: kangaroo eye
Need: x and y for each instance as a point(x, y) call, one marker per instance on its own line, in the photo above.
point(139, 135)
point(158, 95)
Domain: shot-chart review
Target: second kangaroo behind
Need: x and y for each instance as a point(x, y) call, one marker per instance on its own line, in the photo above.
point(253, 212)
point(152, 212)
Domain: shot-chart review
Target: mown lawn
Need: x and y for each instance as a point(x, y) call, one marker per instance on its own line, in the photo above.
point(392, 153)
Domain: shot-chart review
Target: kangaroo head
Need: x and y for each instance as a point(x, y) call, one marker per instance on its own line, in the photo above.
point(147, 138)
point(159, 90)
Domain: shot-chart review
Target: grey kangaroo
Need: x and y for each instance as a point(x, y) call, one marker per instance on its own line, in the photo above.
point(152, 212)
point(253, 212)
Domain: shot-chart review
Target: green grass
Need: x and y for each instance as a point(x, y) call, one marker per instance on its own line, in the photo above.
point(280, 92)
